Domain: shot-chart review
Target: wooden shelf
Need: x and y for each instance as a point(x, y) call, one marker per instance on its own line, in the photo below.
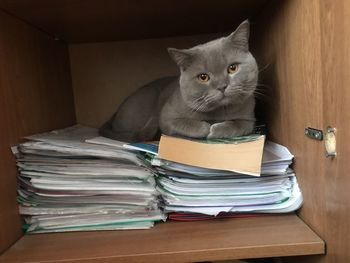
point(108, 20)
point(266, 236)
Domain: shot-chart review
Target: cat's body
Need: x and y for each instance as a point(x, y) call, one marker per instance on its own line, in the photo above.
point(212, 98)
point(137, 119)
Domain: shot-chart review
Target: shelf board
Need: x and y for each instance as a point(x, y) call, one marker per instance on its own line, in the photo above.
point(107, 20)
point(236, 238)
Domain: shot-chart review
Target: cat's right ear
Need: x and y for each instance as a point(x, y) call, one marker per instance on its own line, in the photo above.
point(182, 57)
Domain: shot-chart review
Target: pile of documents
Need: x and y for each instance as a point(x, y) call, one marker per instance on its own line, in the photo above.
point(74, 180)
point(192, 189)
point(68, 184)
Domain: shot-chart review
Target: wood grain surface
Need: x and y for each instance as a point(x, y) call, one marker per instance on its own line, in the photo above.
point(290, 48)
point(266, 236)
point(35, 96)
point(302, 49)
point(306, 47)
point(335, 43)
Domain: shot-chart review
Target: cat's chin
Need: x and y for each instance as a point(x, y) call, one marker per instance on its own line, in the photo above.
point(226, 100)
point(222, 102)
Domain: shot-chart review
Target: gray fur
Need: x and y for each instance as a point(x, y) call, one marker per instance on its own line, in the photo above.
point(223, 107)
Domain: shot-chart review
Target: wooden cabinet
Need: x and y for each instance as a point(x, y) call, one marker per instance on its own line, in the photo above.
point(63, 62)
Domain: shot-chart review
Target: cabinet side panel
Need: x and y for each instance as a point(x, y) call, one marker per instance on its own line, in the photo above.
point(307, 44)
point(336, 78)
point(288, 49)
point(35, 96)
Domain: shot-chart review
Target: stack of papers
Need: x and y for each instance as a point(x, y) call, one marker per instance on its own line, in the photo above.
point(67, 184)
point(190, 189)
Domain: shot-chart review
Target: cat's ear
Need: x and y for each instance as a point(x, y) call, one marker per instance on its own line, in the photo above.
point(240, 37)
point(182, 57)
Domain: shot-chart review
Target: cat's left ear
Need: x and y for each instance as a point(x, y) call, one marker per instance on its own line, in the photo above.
point(240, 37)
point(182, 57)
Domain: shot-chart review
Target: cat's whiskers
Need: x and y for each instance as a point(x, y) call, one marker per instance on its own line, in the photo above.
point(260, 95)
point(210, 99)
point(258, 92)
point(235, 92)
point(202, 107)
point(198, 105)
point(264, 67)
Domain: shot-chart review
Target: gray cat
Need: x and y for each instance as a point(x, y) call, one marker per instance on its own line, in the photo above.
point(212, 98)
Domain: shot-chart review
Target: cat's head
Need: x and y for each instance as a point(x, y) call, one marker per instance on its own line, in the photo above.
point(217, 73)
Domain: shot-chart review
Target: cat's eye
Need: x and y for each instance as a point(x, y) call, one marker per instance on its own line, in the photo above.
point(203, 77)
point(233, 68)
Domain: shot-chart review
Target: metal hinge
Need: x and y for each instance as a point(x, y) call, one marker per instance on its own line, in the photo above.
point(314, 133)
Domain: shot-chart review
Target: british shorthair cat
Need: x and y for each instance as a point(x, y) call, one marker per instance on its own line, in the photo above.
point(212, 98)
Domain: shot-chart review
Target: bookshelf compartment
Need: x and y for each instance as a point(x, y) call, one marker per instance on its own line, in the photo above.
point(60, 60)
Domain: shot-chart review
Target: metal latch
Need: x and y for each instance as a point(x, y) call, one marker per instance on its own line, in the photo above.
point(330, 142)
point(314, 133)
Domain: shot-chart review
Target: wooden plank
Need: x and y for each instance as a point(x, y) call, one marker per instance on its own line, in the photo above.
point(35, 96)
point(107, 20)
point(290, 50)
point(307, 47)
point(335, 31)
point(266, 236)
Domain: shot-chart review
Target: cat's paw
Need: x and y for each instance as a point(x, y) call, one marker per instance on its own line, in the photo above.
point(201, 131)
point(185, 127)
point(223, 130)
point(217, 131)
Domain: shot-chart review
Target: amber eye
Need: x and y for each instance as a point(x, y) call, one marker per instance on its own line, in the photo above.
point(232, 68)
point(203, 77)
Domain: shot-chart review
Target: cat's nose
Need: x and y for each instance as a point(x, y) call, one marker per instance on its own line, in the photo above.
point(222, 88)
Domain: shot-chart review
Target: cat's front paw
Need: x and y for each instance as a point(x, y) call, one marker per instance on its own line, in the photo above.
point(217, 131)
point(201, 130)
point(223, 130)
point(186, 127)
